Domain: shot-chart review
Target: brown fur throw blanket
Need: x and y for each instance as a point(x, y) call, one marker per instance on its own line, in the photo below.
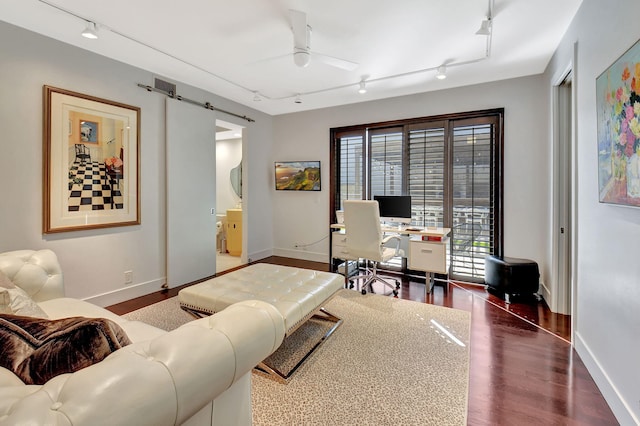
point(37, 350)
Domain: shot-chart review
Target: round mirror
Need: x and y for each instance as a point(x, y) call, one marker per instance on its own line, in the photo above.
point(236, 179)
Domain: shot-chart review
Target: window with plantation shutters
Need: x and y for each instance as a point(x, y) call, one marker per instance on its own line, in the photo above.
point(427, 175)
point(386, 162)
point(472, 214)
point(449, 165)
point(351, 164)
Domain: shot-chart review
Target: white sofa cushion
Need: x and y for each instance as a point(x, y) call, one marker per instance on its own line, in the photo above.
point(66, 306)
point(14, 300)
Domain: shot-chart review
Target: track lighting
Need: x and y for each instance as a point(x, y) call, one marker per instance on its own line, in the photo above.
point(298, 100)
point(363, 87)
point(91, 31)
point(441, 72)
point(256, 97)
point(485, 28)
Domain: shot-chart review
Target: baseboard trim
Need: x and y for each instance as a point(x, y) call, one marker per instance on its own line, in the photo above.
point(259, 255)
point(544, 291)
point(126, 293)
point(618, 405)
point(300, 254)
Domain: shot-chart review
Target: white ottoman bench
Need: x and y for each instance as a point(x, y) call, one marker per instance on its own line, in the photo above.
point(298, 294)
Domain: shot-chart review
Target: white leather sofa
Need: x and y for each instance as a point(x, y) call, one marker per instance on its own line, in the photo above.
point(197, 374)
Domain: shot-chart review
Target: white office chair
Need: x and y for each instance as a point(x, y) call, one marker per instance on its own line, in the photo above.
point(365, 241)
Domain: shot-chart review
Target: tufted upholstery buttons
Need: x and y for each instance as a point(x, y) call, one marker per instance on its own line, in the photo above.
point(35, 271)
point(188, 368)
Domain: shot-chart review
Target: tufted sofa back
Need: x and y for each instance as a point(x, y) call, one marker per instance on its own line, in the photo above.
point(37, 272)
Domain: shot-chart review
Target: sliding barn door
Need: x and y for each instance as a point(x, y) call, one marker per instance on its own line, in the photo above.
point(191, 193)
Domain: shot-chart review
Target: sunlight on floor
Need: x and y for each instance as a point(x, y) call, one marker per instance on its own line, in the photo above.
point(225, 261)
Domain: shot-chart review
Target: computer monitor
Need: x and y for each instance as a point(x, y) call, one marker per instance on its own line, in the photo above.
point(394, 208)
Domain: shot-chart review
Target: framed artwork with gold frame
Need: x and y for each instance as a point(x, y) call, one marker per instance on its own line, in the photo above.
point(91, 167)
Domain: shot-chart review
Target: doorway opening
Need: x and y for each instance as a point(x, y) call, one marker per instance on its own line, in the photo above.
point(563, 196)
point(230, 252)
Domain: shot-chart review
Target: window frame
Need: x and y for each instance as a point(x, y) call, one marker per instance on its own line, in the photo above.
point(449, 121)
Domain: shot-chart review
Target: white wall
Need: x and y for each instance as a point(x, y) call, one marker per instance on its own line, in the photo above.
point(607, 302)
point(94, 261)
point(301, 218)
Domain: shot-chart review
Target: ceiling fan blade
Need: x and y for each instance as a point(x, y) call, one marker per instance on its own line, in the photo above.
point(269, 59)
point(299, 28)
point(335, 62)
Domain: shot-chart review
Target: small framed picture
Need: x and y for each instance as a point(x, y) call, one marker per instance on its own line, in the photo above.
point(298, 175)
point(88, 131)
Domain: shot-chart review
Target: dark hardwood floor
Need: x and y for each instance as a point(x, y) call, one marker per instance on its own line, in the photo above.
point(523, 370)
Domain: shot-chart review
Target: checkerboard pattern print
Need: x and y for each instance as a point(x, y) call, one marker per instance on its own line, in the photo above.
point(91, 189)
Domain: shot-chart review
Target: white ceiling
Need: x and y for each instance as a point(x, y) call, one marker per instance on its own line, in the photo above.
point(224, 46)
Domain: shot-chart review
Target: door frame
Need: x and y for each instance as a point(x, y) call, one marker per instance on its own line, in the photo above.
point(562, 293)
point(231, 133)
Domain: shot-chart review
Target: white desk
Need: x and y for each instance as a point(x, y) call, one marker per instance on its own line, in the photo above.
point(422, 255)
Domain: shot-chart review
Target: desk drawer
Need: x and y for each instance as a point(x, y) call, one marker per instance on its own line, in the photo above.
point(428, 256)
point(339, 246)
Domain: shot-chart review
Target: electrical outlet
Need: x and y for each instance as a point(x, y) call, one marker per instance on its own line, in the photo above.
point(128, 277)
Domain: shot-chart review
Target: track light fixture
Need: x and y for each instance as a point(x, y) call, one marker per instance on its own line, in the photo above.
point(301, 57)
point(485, 28)
point(91, 31)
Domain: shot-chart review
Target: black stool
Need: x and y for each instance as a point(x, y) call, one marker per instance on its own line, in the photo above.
point(509, 276)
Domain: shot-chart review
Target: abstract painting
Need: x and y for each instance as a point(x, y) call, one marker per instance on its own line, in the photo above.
point(618, 118)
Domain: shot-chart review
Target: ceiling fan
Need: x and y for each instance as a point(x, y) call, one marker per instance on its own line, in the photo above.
point(302, 54)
